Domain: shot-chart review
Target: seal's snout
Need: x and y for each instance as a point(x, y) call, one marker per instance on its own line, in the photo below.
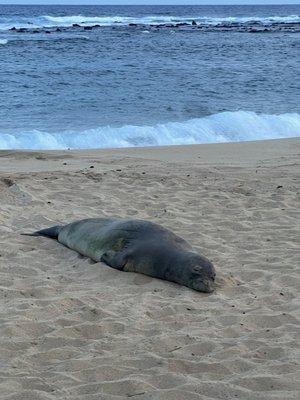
point(208, 284)
point(203, 285)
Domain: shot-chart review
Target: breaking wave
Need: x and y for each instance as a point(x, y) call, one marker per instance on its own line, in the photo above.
point(66, 21)
point(222, 127)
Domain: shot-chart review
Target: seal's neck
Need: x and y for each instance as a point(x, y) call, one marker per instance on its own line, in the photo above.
point(177, 261)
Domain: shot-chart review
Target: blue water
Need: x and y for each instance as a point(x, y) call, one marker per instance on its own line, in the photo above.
point(144, 75)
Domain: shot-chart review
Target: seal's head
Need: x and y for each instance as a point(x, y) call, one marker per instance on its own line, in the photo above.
point(203, 275)
point(197, 272)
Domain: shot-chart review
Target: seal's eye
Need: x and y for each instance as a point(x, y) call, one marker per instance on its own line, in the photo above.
point(197, 269)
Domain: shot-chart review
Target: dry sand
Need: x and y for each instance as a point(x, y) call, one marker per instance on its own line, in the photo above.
point(74, 329)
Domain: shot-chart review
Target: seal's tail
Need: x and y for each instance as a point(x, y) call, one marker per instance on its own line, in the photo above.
point(52, 232)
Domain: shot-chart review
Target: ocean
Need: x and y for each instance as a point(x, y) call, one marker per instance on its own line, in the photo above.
point(122, 76)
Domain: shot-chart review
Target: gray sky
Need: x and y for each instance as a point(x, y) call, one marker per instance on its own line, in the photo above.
point(85, 2)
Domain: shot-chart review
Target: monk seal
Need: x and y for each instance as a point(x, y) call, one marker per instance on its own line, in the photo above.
point(136, 246)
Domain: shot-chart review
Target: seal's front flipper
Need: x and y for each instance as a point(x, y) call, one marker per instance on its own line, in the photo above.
point(114, 259)
point(52, 232)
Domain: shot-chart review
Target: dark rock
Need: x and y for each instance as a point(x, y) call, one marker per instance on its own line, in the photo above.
point(58, 30)
point(131, 24)
point(88, 28)
point(13, 28)
point(76, 26)
point(8, 182)
point(194, 23)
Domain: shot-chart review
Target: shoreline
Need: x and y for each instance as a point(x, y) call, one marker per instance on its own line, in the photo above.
point(241, 153)
point(74, 329)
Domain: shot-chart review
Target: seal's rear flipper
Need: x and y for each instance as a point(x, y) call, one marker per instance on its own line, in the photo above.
point(52, 232)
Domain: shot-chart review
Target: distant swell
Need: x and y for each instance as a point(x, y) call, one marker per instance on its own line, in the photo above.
point(67, 21)
point(222, 127)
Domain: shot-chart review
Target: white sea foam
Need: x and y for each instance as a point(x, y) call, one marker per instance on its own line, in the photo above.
point(66, 21)
point(3, 41)
point(222, 127)
point(147, 20)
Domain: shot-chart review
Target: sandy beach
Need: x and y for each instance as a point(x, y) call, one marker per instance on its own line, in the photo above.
point(74, 329)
